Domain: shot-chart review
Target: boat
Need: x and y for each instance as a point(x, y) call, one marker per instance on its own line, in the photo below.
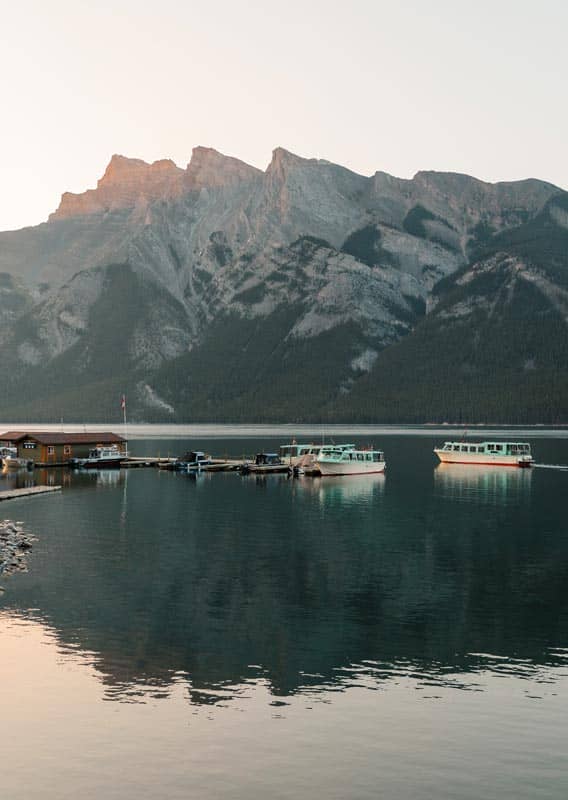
point(264, 463)
point(192, 461)
point(305, 455)
point(302, 458)
point(499, 454)
point(350, 462)
point(10, 459)
point(101, 456)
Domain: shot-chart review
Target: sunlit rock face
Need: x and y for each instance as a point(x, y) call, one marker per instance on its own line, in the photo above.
point(126, 183)
point(164, 277)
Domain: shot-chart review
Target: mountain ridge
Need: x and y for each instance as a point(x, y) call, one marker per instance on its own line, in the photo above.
point(336, 274)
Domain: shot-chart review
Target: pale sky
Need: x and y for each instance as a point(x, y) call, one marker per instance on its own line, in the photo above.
point(475, 87)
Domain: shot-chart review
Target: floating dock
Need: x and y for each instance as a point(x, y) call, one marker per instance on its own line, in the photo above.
point(151, 461)
point(15, 494)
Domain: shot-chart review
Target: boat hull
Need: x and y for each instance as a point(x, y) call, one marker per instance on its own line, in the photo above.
point(449, 457)
point(93, 463)
point(328, 468)
point(14, 463)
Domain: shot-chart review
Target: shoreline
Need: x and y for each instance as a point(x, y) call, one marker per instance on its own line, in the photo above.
point(290, 430)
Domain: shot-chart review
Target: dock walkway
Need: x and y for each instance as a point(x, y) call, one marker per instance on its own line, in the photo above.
point(15, 494)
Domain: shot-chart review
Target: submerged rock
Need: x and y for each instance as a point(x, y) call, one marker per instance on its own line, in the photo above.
point(15, 544)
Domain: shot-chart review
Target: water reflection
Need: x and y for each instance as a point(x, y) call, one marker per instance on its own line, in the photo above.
point(344, 491)
point(309, 585)
point(476, 483)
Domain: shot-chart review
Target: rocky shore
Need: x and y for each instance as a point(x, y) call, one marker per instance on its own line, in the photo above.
point(15, 544)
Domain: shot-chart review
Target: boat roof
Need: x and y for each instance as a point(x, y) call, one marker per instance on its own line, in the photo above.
point(354, 450)
point(488, 441)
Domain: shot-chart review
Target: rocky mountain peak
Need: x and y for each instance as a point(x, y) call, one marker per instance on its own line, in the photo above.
point(283, 160)
point(126, 183)
point(121, 168)
point(209, 168)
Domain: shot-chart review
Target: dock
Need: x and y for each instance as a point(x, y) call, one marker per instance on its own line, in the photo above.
point(15, 494)
point(151, 461)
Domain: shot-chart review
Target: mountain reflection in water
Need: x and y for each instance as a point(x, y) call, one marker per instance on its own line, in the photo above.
point(308, 585)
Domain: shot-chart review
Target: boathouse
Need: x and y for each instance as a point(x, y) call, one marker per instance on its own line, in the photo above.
point(51, 449)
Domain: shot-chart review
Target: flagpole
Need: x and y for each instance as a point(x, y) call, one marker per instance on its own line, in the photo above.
point(123, 404)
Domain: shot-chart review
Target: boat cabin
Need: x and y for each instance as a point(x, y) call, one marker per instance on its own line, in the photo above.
point(489, 448)
point(267, 460)
point(193, 459)
point(295, 451)
point(334, 448)
point(342, 456)
point(8, 452)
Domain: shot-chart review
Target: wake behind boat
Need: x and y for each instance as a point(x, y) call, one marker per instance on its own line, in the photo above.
point(501, 454)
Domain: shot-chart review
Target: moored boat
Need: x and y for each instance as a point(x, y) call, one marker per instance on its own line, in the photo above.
point(101, 456)
point(499, 454)
point(305, 455)
point(193, 461)
point(351, 461)
point(10, 460)
point(265, 463)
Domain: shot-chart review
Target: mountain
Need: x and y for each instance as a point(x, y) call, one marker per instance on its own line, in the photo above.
point(307, 291)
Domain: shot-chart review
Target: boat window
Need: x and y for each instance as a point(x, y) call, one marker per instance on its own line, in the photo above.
point(360, 456)
point(498, 447)
point(369, 457)
point(376, 457)
point(456, 447)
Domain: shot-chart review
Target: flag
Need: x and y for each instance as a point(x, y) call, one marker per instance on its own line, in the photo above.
point(123, 402)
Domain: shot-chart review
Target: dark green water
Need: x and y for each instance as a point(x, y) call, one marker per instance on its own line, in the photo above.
point(395, 636)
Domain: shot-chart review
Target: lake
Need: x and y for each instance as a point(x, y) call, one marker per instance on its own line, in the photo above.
point(223, 636)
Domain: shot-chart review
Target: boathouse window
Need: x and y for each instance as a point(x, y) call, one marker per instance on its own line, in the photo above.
point(29, 445)
point(50, 450)
point(67, 450)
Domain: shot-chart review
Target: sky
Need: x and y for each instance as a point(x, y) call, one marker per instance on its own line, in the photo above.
point(478, 88)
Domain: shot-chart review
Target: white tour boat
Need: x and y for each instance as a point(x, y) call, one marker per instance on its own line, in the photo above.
point(305, 455)
point(350, 462)
point(502, 454)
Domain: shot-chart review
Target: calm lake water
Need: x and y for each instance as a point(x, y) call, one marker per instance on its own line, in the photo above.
point(398, 636)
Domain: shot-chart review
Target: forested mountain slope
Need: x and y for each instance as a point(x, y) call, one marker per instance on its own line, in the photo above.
point(305, 292)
